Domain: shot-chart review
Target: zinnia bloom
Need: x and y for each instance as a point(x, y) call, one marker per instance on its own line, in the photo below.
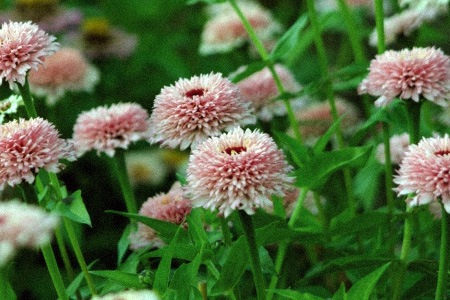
point(237, 170)
point(23, 225)
point(398, 144)
point(66, 70)
point(106, 128)
point(129, 295)
point(224, 31)
point(409, 74)
point(171, 207)
point(24, 47)
point(27, 146)
point(425, 172)
point(194, 109)
point(261, 90)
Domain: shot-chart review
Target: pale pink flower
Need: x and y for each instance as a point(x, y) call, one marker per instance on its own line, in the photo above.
point(107, 128)
point(403, 23)
point(24, 225)
point(50, 16)
point(99, 40)
point(23, 47)
point(194, 109)
point(171, 207)
point(26, 146)
point(332, 5)
point(424, 173)
point(237, 170)
point(146, 167)
point(315, 119)
point(261, 90)
point(129, 295)
point(409, 74)
point(399, 144)
point(224, 30)
point(66, 70)
point(424, 4)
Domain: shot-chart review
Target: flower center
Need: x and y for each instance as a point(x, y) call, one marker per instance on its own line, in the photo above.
point(4, 106)
point(96, 31)
point(195, 92)
point(235, 150)
point(36, 10)
point(442, 152)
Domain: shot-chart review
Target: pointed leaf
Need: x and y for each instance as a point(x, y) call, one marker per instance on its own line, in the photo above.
point(289, 40)
point(320, 145)
point(73, 208)
point(129, 280)
point(363, 288)
point(298, 151)
point(295, 295)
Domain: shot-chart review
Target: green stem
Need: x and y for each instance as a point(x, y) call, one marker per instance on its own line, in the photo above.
point(120, 171)
point(379, 21)
point(64, 254)
point(266, 58)
point(27, 99)
point(441, 289)
point(413, 109)
point(323, 62)
point(225, 231)
point(255, 264)
point(388, 181)
point(53, 269)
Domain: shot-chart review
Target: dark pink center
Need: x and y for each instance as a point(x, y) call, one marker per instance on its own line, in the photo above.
point(235, 150)
point(194, 92)
point(442, 152)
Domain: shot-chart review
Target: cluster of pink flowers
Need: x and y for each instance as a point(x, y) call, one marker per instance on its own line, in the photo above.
point(191, 110)
point(261, 90)
point(23, 225)
point(224, 30)
point(66, 70)
point(26, 146)
point(424, 172)
point(107, 128)
point(409, 74)
point(171, 207)
point(237, 170)
point(24, 47)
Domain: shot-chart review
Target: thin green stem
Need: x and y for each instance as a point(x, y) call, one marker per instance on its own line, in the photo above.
point(225, 231)
point(388, 180)
point(413, 109)
point(379, 22)
point(53, 269)
point(27, 99)
point(64, 255)
point(441, 288)
point(120, 171)
point(266, 58)
point(323, 62)
point(255, 264)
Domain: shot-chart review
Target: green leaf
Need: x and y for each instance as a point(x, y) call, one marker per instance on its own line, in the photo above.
point(295, 295)
point(123, 244)
point(126, 279)
point(247, 71)
point(316, 171)
point(289, 39)
point(73, 208)
point(196, 230)
point(320, 145)
point(340, 294)
point(233, 268)
point(75, 284)
point(298, 150)
point(346, 224)
point(363, 288)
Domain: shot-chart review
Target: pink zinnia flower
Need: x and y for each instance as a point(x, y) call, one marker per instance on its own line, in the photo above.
point(171, 207)
point(23, 47)
point(106, 128)
point(194, 109)
point(409, 74)
point(66, 70)
point(23, 225)
point(224, 31)
point(129, 295)
point(237, 170)
point(261, 90)
point(425, 172)
point(399, 144)
point(27, 146)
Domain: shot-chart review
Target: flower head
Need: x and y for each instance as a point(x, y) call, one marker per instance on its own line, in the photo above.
point(26, 146)
point(129, 295)
point(224, 31)
point(171, 207)
point(9, 106)
point(399, 144)
point(106, 128)
point(66, 70)
point(261, 90)
point(425, 172)
point(146, 167)
point(237, 170)
point(409, 74)
point(23, 225)
point(194, 109)
point(24, 47)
